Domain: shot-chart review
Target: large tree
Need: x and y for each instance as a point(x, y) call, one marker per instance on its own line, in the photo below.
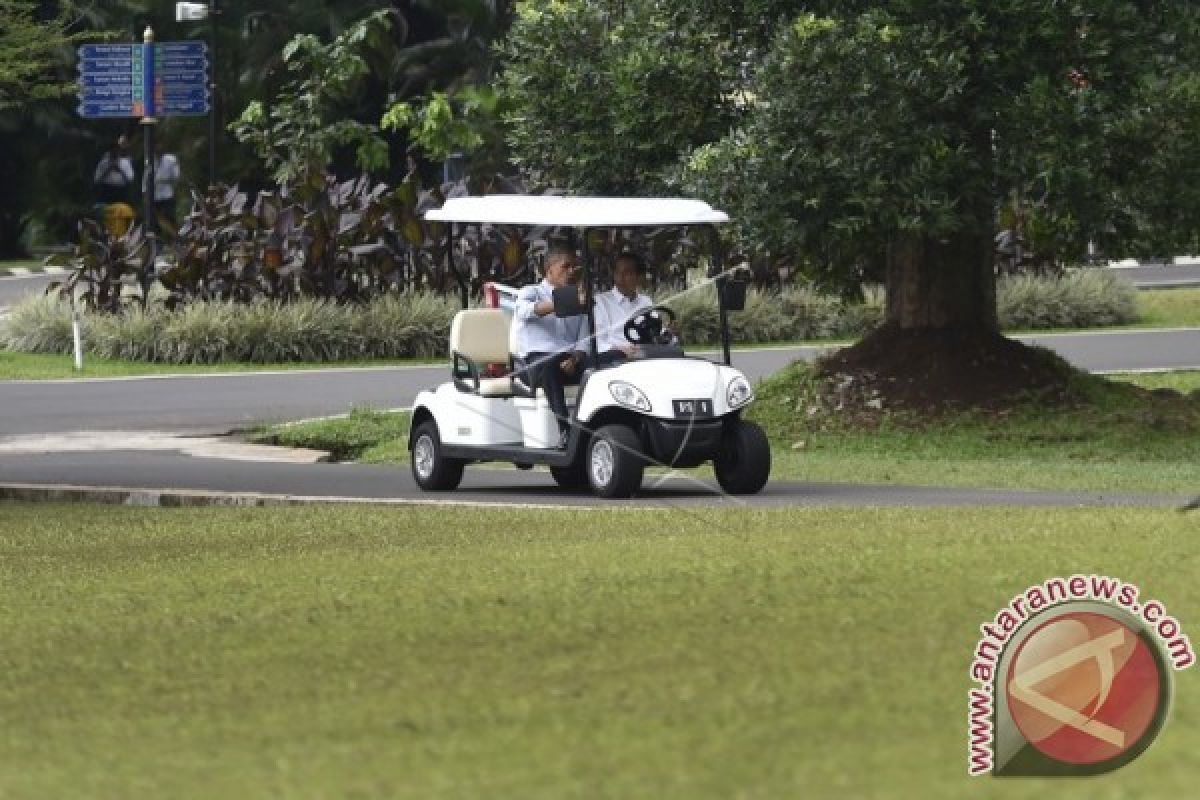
point(886, 137)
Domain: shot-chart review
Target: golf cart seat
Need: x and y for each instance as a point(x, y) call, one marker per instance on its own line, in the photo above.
point(479, 340)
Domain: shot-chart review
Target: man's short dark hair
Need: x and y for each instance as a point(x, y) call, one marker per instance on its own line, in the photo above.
point(558, 251)
point(638, 262)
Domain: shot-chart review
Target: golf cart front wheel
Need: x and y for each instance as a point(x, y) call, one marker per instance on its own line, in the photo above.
point(614, 462)
point(432, 470)
point(743, 463)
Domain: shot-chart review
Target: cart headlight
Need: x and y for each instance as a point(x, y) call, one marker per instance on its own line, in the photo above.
point(739, 393)
point(629, 395)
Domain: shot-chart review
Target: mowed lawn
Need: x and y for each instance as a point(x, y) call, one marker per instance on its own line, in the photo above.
point(467, 653)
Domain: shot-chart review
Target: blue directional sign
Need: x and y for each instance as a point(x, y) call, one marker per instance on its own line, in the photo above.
point(143, 80)
point(191, 49)
point(95, 109)
point(87, 51)
point(181, 79)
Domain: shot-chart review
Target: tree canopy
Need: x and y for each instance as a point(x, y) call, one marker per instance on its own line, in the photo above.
point(853, 137)
point(31, 42)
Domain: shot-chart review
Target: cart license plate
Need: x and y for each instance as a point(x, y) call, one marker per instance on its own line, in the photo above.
point(700, 407)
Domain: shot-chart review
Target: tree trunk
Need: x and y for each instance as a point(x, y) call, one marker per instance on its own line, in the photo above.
point(934, 285)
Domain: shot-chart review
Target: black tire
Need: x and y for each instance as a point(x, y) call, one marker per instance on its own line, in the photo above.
point(573, 476)
point(743, 464)
point(613, 462)
point(433, 471)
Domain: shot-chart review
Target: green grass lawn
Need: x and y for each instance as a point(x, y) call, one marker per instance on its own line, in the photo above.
point(32, 264)
point(1121, 443)
point(437, 653)
point(1118, 441)
point(1169, 308)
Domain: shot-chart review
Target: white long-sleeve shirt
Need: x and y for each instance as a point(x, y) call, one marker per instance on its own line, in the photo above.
point(548, 334)
point(613, 310)
point(166, 175)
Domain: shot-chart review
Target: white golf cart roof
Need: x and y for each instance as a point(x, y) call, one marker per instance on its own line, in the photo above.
point(577, 212)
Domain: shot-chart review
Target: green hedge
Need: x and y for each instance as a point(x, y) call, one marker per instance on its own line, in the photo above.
point(400, 326)
point(416, 324)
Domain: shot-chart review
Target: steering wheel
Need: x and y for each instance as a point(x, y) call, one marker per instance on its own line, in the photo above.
point(648, 326)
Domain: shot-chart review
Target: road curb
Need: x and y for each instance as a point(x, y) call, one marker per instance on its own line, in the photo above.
point(197, 498)
point(28, 272)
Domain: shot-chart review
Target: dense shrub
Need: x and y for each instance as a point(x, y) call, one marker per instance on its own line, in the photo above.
point(395, 326)
point(1079, 298)
point(416, 324)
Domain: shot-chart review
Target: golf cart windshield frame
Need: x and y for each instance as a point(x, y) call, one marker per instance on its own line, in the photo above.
point(583, 214)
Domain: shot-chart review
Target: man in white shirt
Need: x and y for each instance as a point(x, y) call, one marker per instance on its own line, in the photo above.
point(166, 175)
point(552, 348)
point(616, 306)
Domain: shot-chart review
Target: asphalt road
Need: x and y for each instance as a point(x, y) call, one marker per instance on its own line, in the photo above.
point(507, 486)
point(1162, 276)
point(207, 403)
point(13, 288)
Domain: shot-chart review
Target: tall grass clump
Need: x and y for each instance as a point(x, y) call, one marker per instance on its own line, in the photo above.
point(1084, 298)
point(410, 324)
point(38, 325)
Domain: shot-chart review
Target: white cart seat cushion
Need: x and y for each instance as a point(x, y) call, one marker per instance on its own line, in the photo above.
point(481, 334)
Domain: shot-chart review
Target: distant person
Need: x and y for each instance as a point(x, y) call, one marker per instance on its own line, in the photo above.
point(615, 307)
point(166, 177)
point(114, 173)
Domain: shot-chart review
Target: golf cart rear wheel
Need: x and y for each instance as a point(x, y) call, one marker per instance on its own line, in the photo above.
point(432, 470)
point(614, 462)
point(743, 463)
point(573, 476)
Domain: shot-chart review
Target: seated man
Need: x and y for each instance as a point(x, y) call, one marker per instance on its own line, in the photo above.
point(616, 306)
point(552, 348)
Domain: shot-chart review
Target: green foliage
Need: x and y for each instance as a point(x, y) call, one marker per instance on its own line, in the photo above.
point(105, 267)
point(1080, 298)
point(31, 42)
point(417, 323)
point(606, 99)
point(297, 134)
point(442, 124)
point(344, 438)
point(793, 314)
point(872, 122)
point(414, 324)
point(348, 241)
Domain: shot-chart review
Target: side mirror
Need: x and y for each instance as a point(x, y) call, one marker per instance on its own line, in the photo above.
point(733, 294)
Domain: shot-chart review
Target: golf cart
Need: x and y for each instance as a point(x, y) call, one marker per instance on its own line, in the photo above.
point(661, 408)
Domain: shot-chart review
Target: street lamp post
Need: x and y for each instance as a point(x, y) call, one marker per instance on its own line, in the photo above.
point(195, 12)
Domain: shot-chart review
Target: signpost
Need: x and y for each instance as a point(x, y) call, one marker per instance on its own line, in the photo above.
point(168, 79)
point(144, 81)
